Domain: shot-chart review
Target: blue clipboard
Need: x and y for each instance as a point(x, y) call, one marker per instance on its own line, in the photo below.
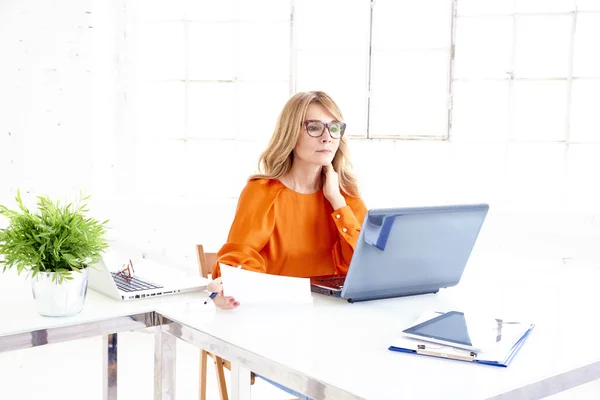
point(414, 346)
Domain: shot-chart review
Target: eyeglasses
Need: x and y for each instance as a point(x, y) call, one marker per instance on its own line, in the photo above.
point(317, 128)
point(127, 272)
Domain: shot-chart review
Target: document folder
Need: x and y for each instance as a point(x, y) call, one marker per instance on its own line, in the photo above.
point(499, 355)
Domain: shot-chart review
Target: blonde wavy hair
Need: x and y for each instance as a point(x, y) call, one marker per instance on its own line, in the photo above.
point(277, 159)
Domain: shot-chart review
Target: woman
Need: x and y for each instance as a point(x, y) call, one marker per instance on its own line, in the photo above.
point(302, 215)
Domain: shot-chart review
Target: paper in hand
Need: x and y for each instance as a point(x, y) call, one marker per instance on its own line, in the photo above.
point(253, 287)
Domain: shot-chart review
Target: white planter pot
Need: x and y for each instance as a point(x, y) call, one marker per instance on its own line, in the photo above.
point(60, 300)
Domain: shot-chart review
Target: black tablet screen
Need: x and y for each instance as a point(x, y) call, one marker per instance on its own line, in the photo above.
point(450, 327)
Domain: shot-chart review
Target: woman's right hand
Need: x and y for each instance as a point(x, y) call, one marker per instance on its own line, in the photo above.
point(224, 302)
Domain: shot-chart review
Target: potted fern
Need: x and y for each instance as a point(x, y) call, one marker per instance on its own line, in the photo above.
point(55, 245)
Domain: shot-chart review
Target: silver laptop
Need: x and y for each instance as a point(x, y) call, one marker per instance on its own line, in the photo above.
point(150, 279)
point(407, 251)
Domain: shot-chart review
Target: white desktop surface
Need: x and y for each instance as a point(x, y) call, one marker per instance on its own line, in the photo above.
point(345, 346)
point(18, 311)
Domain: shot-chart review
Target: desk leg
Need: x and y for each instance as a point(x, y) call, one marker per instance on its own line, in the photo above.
point(164, 365)
point(109, 347)
point(240, 382)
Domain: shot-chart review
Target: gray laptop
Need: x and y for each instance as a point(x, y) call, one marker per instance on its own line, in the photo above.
point(407, 251)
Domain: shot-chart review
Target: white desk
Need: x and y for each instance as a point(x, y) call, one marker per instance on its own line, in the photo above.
point(21, 327)
point(336, 350)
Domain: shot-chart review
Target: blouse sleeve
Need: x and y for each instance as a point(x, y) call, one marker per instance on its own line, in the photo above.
point(251, 228)
point(348, 221)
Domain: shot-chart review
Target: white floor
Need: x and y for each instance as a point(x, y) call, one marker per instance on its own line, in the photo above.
point(73, 370)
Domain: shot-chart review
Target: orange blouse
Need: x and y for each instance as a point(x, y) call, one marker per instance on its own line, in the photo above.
point(282, 232)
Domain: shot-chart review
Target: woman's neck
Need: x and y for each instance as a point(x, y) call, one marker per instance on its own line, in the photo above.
point(303, 178)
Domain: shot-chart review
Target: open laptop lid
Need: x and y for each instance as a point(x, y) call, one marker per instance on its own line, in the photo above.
point(405, 251)
point(167, 279)
point(101, 281)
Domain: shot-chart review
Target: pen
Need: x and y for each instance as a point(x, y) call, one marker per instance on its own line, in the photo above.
point(447, 353)
point(212, 296)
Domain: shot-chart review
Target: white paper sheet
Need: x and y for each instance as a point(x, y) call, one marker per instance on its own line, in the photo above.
point(249, 287)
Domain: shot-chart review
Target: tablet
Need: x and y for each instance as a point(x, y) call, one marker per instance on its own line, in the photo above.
point(456, 330)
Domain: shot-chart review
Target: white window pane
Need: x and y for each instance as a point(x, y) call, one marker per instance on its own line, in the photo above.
point(480, 110)
point(412, 24)
point(264, 10)
point(540, 109)
point(153, 176)
point(153, 10)
point(535, 175)
point(248, 153)
point(211, 110)
point(544, 6)
point(210, 10)
point(369, 159)
point(259, 105)
point(488, 7)
point(345, 82)
point(484, 163)
point(542, 46)
point(326, 24)
point(409, 93)
point(588, 5)
point(585, 104)
point(586, 53)
point(211, 51)
point(583, 164)
point(158, 109)
point(157, 50)
point(211, 164)
point(418, 161)
point(354, 108)
point(483, 47)
point(264, 51)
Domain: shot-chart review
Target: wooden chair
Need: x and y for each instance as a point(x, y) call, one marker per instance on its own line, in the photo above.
point(206, 261)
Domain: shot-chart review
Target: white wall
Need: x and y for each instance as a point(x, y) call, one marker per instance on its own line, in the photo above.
point(81, 107)
point(46, 102)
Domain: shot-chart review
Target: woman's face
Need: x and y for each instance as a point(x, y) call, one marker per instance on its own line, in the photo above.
point(318, 150)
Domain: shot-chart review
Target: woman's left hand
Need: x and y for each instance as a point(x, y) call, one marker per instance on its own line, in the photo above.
point(331, 187)
point(224, 302)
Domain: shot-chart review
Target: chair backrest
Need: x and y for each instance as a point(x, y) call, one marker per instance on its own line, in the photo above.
point(206, 261)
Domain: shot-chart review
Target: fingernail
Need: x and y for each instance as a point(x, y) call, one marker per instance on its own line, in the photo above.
point(236, 304)
point(231, 300)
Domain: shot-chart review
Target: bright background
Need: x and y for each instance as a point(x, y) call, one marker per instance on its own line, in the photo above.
point(159, 109)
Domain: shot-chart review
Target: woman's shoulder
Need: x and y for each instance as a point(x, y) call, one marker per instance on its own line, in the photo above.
point(262, 190)
point(263, 185)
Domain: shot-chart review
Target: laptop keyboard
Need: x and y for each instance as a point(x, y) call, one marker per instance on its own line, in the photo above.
point(333, 281)
point(133, 284)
